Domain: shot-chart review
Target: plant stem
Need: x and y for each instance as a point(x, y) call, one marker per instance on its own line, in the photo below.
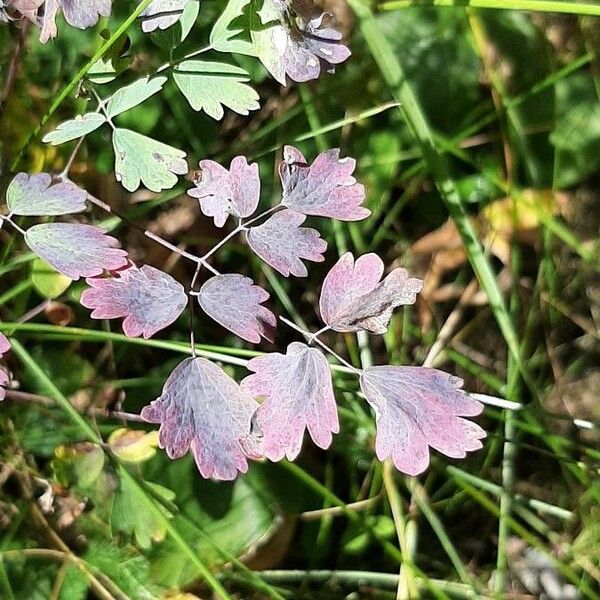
point(387, 581)
point(552, 6)
point(8, 219)
point(309, 336)
point(78, 77)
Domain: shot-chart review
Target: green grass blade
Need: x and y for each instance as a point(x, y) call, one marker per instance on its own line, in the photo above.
point(551, 6)
point(437, 163)
point(64, 93)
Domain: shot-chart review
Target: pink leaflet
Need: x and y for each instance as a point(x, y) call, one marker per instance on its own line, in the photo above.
point(4, 381)
point(299, 395)
point(222, 193)
point(235, 302)
point(36, 195)
point(78, 13)
point(353, 298)
point(149, 299)
point(325, 189)
point(76, 250)
point(293, 41)
point(415, 408)
point(4, 345)
point(281, 243)
point(203, 410)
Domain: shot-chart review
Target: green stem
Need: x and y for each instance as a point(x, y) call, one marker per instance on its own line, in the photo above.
point(91, 435)
point(552, 6)
point(72, 85)
point(438, 165)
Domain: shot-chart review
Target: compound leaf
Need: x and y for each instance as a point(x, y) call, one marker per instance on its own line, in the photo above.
point(127, 517)
point(140, 159)
point(417, 407)
point(235, 302)
point(325, 189)
point(203, 410)
point(353, 298)
point(298, 395)
point(282, 243)
point(36, 195)
point(209, 86)
point(147, 298)
point(222, 193)
point(76, 250)
point(222, 38)
point(295, 44)
point(75, 128)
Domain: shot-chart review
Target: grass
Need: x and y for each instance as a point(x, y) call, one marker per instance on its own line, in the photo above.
point(449, 107)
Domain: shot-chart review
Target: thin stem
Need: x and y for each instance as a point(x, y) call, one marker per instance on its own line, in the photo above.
point(18, 396)
point(172, 64)
point(9, 220)
point(262, 214)
point(241, 227)
point(102, 107)
point(181, 252)
point(226, 239)
point(310, 336)
point(153, 236)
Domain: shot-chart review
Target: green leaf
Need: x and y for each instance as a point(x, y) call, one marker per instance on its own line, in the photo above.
point(108, 69)
point(78, 465)
point(576, 135)
point(48, 282)
point(133, 446)
point(128, 518)
point(74, 128)
point(209, 86)
point(173, 36)
point(133, 95)
point(222, 38)
point(140, 159)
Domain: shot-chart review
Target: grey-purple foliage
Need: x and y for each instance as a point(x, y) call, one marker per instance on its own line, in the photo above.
point(202, 409)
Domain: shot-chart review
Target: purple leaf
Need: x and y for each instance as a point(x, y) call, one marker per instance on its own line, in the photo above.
point(78, 13)
point(28, 8)
point(222, 193)
point(76, 250)
point(298, 395)
point(4, 381)
point(353, 298)
point(161, 14)
point(415, 408)
point(235, 302)
point(4, 345)
point(147, 298)
point(203, 410)
point(325, 189)
point(295, 42)
point(281, 243)
point(35, 195)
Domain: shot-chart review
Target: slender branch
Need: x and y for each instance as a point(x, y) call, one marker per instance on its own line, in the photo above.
point(174, 63)
point(241, 227)
point(8, 219)
point(104, 413)
point(13, 66)
point(310, 336)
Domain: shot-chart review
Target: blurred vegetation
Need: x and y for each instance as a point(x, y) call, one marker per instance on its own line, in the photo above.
point(511, 100)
